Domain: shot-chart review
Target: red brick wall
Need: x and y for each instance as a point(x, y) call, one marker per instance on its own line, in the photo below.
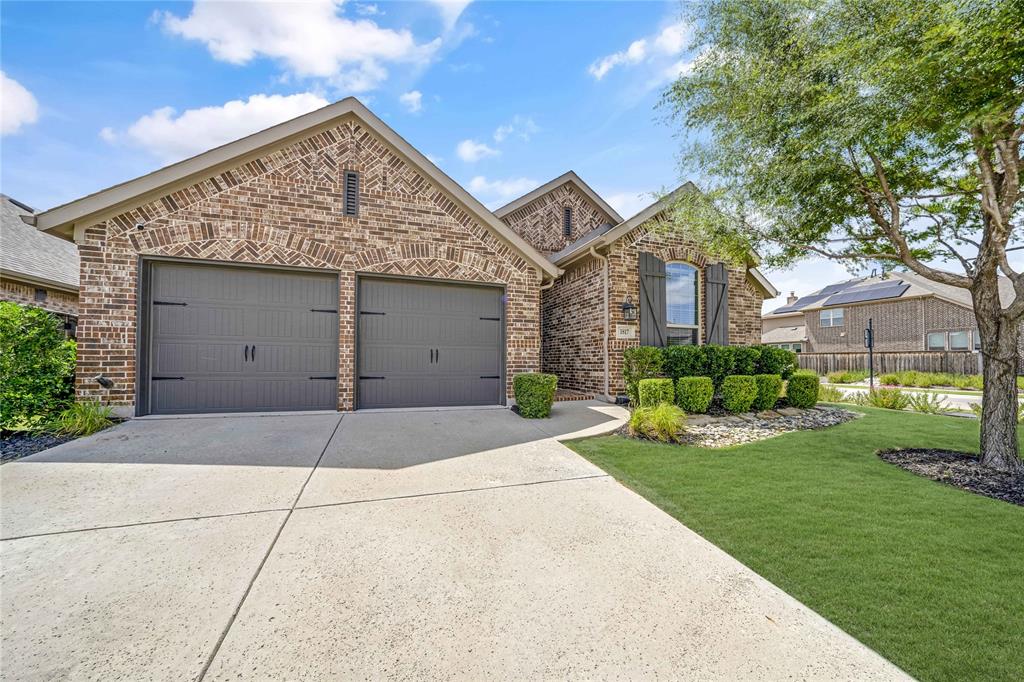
point(540, 221)
point(57, 301)
point(285, 208)
point(575, 302)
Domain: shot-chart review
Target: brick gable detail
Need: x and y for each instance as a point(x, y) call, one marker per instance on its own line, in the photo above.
point(285, 208)
point(540, 221)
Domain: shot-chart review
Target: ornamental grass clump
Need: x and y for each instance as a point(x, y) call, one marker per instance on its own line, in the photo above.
point(694, 394)
point(535, 392)
point(663, 423)
point(84, 418)
point(888, 399)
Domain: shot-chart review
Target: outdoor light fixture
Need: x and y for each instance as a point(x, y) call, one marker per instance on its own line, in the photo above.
point(628, 310)
point(104, 381)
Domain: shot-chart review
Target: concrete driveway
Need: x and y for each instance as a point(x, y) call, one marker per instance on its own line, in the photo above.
point(444, 544)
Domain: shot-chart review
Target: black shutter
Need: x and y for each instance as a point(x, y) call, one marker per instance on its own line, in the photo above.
point(351, 190)
point(716, 296)
point(652, 300)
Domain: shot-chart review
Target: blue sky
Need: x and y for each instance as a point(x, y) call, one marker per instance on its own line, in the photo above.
point(503, 96)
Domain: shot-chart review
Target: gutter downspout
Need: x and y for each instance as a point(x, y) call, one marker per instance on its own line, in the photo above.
point(604, 342)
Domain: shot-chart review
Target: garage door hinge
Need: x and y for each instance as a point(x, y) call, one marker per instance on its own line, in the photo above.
point(323, 310)
point(365, 378)
point(492, 319)
point(495, 376)
point(370, 312)
point(168, 303)
point(168, 378)
point(326, 378)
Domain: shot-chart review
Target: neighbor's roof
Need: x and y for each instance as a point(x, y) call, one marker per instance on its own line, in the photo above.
point(785, 335)
point(569, 177)
point(896, 285)
point(33, 256)
point(61, 220)
point(606, 235)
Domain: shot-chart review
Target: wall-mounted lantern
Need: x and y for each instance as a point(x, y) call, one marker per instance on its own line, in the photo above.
point(628, 310)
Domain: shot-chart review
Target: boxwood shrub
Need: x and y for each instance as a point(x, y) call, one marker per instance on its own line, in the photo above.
point(745, 359)
point(802, 389)
point(769, 388)
point(694, 394)
point(642, 362)
point(534, 394)
point(721, 360)
point(654, 392)
point(772, 360)
point(685, 361)
point(738, 393)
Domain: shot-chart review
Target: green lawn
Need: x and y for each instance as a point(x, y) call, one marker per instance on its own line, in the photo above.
point(927, 575)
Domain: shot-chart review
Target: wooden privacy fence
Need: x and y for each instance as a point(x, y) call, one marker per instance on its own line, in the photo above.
point(921, 361)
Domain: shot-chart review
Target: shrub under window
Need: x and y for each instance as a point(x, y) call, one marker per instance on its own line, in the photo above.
point(694, 394)
point(655, 391)
point(738, 393)
point(769, 388)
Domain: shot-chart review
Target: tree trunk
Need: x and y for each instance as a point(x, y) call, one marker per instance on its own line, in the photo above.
point(999, 448)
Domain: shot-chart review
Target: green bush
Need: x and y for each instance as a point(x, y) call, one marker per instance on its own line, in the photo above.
point(37, 367)
point(802, 389)
point(769, 388)
point(738, 393)
point(976, 409)
point(655, 391)
point(642, 362)
point(534, 394)
point(82, 419)
point(929, 403)
point(685, 361)
point(888, 398)
point(830, 394)
point(721, 361)
point(694, 394)
point(929, 379)
point(772, 360)
point(745, 360)
point(664, 422)
point(850, 376)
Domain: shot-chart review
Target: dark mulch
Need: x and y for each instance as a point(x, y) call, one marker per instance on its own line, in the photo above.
point(959, 469)
point(22, 444)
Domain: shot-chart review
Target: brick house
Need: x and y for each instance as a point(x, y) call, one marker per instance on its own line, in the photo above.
point(36, 269)
point(324, 263)
point(627, 283)
point(908, 313)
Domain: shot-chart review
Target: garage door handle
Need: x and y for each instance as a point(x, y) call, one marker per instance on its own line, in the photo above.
point(254, 352)
point(247, 352)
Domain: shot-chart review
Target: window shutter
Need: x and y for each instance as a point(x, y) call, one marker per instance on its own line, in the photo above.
point(716, 295)
point(351, 190)
point(652, 300)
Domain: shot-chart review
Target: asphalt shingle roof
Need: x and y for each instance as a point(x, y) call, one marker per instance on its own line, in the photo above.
point(27, 252)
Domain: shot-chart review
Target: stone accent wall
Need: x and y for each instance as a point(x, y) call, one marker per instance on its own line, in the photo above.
point(57, 301)
point(540, 221)
point(571, 303)
point(572, 318)
point(285, 208)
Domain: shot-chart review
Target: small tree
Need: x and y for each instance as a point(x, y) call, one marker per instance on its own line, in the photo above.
point(868, 130)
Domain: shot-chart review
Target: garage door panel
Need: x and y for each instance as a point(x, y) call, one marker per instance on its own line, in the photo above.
point(425, 344)
point(245, 340)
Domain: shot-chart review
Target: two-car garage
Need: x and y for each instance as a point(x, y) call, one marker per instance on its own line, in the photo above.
point(225, 338)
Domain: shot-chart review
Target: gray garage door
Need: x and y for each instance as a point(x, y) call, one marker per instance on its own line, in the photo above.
point(225, 339)
point(428, 344)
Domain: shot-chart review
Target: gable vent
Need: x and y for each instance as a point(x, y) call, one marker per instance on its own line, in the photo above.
point(351, 182)
point(567, 221)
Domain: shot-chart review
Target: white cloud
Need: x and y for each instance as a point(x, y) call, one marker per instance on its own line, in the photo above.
point(412, 101)
point(628, 204)
point(471, 150)
point(369, 10)
point(654, 50)
point(19, 106)
point(172, 136)
point(310, 38)
point(498, 192)
point(450, 11)
point(107, 134)
point(522, 127)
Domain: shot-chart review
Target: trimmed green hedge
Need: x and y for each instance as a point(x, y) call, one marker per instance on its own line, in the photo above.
point(653, 392)
point(694, 394)
point(37, 367)
point(772, 360)
point(738, 393)
point(769, 388)
point(535, 393)
point(642, 362)
point(802, 389)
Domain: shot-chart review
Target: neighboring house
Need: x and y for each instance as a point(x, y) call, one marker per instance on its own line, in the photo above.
point(324, 263)
point(36, 269)
point(908, 313)
point(627, 283)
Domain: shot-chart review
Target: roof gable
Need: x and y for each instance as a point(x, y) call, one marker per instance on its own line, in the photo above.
point(568, 177)
point(93, 208)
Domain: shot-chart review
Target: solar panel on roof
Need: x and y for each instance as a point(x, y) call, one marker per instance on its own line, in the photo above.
point(799, 303)
point(868, 294)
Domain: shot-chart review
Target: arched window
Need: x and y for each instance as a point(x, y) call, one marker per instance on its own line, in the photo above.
point(682, 304)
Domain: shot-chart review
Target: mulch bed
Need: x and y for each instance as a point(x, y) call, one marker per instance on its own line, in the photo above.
point(961, 470)
point(22, 444)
